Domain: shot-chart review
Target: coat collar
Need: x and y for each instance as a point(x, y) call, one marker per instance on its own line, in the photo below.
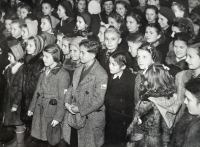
point(87, 78)
point(55, 70)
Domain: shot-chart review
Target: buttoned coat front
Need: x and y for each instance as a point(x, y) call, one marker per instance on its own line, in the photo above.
point(88, 94)
point(51, 86)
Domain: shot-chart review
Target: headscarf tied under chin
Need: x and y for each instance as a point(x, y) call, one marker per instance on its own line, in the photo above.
point(39, 44)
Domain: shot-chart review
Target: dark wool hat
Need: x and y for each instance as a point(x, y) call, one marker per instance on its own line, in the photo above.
point(68, 8)
point(168, 13)
point(86, 17)
point(51, 2)
point(53, 134)
point(182, 36)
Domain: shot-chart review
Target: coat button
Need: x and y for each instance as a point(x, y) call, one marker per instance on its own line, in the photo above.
point(86, 92)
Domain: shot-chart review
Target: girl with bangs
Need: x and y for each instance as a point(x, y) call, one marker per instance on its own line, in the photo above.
point(156, 110)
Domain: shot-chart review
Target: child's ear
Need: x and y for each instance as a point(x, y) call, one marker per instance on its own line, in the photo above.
point(52, 9)
point(120, 39)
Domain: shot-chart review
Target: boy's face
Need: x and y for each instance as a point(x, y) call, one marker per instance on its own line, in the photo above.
point(151, 35)
point(133, 47)
point(8, 24)
point(192, 103)
point(30, 48)
point(114, 66)
point(85, 56)
point(16, 31)
point(65, 46)
point(142, 2)
point(46, 9)
point(74, 53)
point(25, 34)
point(180, 49)
point(112, 40)
point(23, 13)
point(121, 10)
point(59, 40)
point(108, 6)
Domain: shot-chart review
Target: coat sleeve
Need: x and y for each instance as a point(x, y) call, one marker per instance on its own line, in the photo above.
point(36, 95)
point(98, 96)
point(63, 84)
point(18, 94)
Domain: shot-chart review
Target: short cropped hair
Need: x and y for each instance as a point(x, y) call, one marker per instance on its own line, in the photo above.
point(135, 37)
point(120, 58)
point(54, 50)
point(112, 29)
point(91, 45)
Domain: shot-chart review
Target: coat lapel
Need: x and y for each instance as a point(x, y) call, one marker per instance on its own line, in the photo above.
point(76, 77)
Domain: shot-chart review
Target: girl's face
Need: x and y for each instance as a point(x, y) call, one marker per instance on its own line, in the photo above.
point(30, 48)
point(192, 103)
point(121, 10)
point(81, 5)
point(16, 31)
point(101, 34)
point(133, 47)
point(23, 13)
point(180, 49)
point(174, 31)
point(112, 22)
point(45, 25)
point(48, 59)
point(193, 3)
point(85, 56)
point(8, 24)
point(112, 40)
point(25, 33)
point(61, 11)
point(163, 21)
point(19, 12)
point(11, 58)
point(151, 15)
point(114, 66)
point(59, 40)
point(65, 46)
point(144, 59)
point(151, 35)
point(131, 24)
point(177, 11)
point(108, 6)
point(46, 9)
point(196, 29)
point(193, 58)
point(74, 53)
point(81, 25)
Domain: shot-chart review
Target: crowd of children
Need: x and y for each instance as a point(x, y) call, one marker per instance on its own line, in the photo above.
point(100, 73)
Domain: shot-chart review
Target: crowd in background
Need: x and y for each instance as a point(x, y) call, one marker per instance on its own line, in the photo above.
point(92, 73)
